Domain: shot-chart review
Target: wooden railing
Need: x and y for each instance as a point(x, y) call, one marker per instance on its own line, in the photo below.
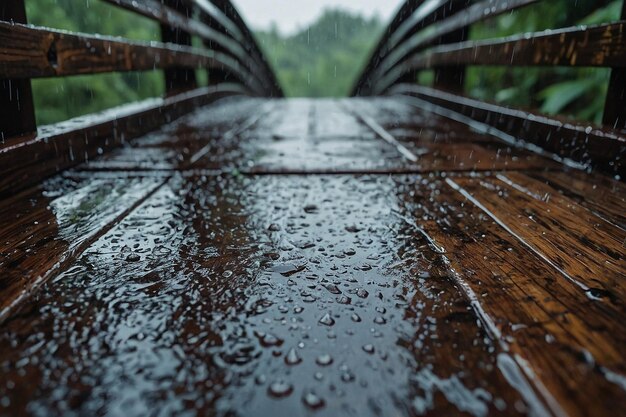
point(231, 57)
point(433, 35)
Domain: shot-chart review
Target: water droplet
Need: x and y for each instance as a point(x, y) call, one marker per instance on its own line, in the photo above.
point(280, 389)
point(227, 274)
point(332, 288)
point(268, 339)
point(311, 208)
point(344, 300)
point(355, 318)
point(324, 360)
point(292, 357)
point(327, 320)
point(288, 269)
point(362, 293)
point(353, 229)
point(311, 400)
point(133, 257)
point(380, 320)
point(369, 349)
point(347, 376)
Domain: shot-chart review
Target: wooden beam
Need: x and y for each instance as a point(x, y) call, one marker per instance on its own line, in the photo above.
point(32, 52)
point(452, 78)
point(175, 19)
point(615, 106)
point(178, 79)
point(16, 99)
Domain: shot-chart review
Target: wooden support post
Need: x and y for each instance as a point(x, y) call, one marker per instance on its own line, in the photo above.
point(178, 79)
point(452, 78)
point(17, 115)
point(615, 105)
point(216, 75)
point(408, 78)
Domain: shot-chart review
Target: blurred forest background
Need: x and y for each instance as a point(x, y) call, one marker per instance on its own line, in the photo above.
point(324, 59)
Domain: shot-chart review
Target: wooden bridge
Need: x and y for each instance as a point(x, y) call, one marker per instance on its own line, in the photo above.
point(225, 251)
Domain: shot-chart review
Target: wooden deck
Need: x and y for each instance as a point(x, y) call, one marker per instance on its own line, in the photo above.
point(288, 257)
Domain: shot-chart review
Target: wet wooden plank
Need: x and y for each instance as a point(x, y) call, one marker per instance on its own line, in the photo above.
point(425, 152)
point(304, 135)
point(206, 134)
point(342, 137)
point(570, 344)
point(44, 229)
point(604, 196)
point(243, 298)
point(584, 248)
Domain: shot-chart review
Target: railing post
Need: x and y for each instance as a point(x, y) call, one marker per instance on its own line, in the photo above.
point(16, 99)
point(216, 75)
point(615, 105)
point(452, 78)
point(178, 79)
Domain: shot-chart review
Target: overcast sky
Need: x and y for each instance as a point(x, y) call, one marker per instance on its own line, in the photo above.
point(289, 15)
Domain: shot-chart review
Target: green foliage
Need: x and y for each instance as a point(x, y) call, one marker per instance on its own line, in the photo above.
point(578, 92)
point(59, 99)
point(324, 59)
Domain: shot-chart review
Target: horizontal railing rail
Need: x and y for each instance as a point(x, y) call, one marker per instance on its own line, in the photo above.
point(433, 35)
point(228, 53)
point(34, 52)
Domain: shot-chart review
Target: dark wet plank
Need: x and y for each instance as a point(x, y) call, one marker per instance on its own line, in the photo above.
point(584, 248)
point(567, 342)
point(35, 52)
point(599, 147)
point(45, 228)
point(207, 134)
point(602, 195)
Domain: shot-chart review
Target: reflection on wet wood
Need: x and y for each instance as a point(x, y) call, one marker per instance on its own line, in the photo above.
point(45, 228)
